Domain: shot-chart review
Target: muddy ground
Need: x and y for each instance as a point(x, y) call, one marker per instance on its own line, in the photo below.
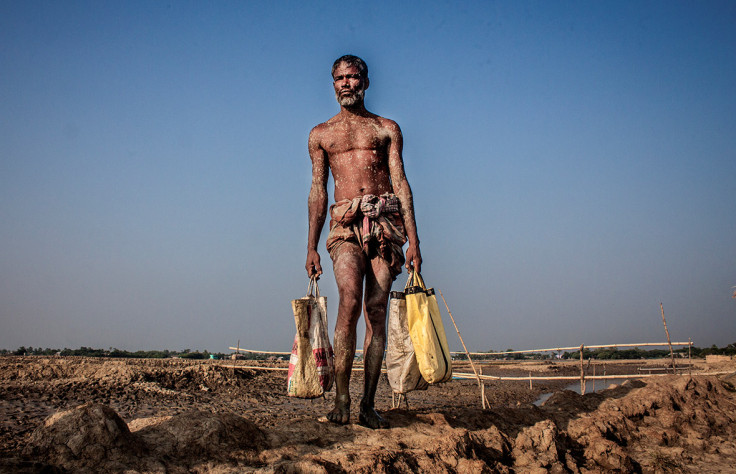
point(116, 415)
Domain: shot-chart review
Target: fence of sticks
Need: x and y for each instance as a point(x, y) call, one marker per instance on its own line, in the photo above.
point(481, 378)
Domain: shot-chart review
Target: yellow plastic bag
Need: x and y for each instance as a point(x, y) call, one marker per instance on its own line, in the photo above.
point(427, 332)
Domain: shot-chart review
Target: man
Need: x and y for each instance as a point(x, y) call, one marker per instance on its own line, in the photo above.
point(371, 219)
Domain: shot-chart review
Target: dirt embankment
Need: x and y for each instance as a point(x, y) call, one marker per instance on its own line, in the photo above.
point(82, 415)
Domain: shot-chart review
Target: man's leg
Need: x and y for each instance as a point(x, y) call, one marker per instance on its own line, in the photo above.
point(377, 289)
point(349, 268)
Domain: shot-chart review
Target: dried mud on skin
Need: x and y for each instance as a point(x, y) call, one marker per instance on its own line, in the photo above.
point(96, 415)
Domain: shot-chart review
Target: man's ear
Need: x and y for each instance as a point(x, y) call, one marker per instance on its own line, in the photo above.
point(366, 82)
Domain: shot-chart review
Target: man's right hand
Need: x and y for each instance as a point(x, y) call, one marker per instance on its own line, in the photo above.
point(313, 264)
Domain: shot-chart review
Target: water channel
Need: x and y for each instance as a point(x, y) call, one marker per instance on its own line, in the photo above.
point(600, 384)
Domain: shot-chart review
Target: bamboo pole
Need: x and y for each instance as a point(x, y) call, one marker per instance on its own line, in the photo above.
point(582, 371)
point(255, 367)
point(239, 349)
point(483, 400)
point(253, 351)
point(672, 354)
point(555, 349)
point(482, 386)
point(593, 378)
point(524, 378)
point(280, 369)
point(576, 348)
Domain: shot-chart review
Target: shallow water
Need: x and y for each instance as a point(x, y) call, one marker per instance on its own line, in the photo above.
point(600, 384)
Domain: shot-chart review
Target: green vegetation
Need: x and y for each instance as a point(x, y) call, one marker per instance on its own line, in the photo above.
point(112, 352)
point(609, 354)
point(636, 353)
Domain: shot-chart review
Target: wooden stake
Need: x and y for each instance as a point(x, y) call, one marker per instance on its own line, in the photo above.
point(483, 400)
point(582, 371)
point(482, 387)
point(672, 354)
point(593, 378)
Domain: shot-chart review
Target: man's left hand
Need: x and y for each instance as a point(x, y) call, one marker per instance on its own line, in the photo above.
point(413, 259)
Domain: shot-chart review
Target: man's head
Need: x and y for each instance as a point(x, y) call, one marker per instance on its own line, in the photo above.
point(350, 79)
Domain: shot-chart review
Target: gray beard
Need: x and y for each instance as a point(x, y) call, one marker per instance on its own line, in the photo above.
point(351, 100)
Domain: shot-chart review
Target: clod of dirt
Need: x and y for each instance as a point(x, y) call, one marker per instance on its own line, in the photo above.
point(536, 448)
point(82, 438)
point(93, 438)
point(199, 434)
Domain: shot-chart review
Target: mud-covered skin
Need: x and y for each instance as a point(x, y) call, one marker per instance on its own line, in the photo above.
point(363, 151)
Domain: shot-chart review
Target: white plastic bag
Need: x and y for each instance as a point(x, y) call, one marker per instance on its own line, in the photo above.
point(311, 365)
point(401, 363)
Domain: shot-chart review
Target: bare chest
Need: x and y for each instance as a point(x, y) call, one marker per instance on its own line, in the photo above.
point(349, 137)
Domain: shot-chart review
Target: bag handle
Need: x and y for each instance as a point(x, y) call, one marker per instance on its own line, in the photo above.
point(313, 287)
point(418, 279)
point(415, 279)
point(409, 281)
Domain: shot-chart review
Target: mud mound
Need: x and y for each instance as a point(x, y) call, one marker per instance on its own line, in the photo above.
point(198, 377)
point(93, 438)
point(84, 438)
point(198, 434)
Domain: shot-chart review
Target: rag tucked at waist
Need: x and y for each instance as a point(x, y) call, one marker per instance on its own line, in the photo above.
point(372, 222)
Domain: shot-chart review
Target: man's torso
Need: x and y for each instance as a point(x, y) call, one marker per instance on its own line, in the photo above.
point(357, 151)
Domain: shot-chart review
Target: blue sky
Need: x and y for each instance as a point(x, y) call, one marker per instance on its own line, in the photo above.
point(573, 165)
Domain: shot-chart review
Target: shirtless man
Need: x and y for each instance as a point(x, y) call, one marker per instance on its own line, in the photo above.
point(371, 219)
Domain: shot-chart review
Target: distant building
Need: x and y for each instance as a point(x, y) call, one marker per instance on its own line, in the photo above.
point(714, 359)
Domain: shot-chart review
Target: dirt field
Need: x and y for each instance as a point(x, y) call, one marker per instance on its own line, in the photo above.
point(102, 415)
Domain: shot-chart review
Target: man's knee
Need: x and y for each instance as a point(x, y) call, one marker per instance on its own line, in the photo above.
point(350, 302)
point(375, 318)
point(375, 308)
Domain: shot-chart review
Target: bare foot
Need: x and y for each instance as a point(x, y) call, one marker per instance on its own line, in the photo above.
point(370, 418)
point(341, 413)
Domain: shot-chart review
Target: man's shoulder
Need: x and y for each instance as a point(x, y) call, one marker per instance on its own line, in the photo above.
point(321, 128)
point(325, 127)
point(389, 124)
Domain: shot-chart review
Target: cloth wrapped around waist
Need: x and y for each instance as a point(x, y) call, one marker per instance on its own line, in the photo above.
point(372, 222)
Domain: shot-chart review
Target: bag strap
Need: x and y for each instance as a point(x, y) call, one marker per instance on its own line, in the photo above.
point(415, 284)
point(313, 287)
point(409, 280)
point(418, 281)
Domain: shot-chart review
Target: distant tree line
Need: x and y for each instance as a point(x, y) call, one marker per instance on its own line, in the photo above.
point(112, 352)
point(607, 354)
point(636, 353)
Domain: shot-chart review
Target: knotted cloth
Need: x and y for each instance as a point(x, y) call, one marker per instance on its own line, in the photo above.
point(372, 222)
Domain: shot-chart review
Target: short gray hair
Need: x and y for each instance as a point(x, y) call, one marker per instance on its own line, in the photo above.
point(351, 60)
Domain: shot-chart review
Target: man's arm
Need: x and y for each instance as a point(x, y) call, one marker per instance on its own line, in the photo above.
point(403, 192)
point(317, 202)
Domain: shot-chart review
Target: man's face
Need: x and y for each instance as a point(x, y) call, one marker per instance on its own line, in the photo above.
point(349, 85)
